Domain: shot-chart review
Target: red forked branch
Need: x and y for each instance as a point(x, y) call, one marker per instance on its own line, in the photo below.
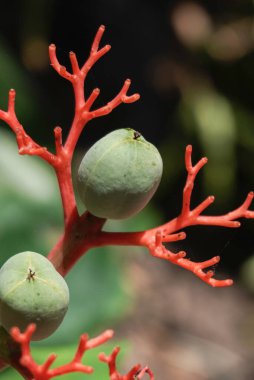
point(36, 371)
point(83, 112)
point(43, 371)
point(154, 239)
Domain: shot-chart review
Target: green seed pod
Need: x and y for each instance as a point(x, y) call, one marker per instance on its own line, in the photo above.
point(32, 291)
point(119, 175)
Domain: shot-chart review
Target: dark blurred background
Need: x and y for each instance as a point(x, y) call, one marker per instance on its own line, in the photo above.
point(192, 62)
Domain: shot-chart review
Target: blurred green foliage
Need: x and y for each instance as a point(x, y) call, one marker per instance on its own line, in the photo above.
point(210, 115)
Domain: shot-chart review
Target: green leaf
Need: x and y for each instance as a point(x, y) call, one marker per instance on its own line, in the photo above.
point(13, 75)
point(212, 116)
point(30, 209)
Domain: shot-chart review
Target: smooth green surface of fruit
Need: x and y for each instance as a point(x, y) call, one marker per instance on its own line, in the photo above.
point(119, 175)
point(32, 291)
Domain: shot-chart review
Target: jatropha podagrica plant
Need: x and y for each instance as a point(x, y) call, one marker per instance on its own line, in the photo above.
point(116, 179)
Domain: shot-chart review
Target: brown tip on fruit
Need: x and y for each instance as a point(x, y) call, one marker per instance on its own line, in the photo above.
point(136, 135)
point(30, 275)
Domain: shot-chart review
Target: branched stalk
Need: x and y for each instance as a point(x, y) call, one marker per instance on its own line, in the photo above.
point(82, 232)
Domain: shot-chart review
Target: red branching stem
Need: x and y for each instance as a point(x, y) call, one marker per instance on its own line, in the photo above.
point(83, 111)
point(82, 233)
point(121, 97)
point(43, 371)
point(31, 370)
point(135, 373)
point(154, 239)
point(61, 161)
point(95, 52)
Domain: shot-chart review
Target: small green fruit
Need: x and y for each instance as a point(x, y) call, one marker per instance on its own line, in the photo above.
point(119, 175)
point(32, 291)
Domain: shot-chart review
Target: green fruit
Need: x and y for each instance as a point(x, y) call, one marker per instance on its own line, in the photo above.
point(32, 291)
point(119, 175)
